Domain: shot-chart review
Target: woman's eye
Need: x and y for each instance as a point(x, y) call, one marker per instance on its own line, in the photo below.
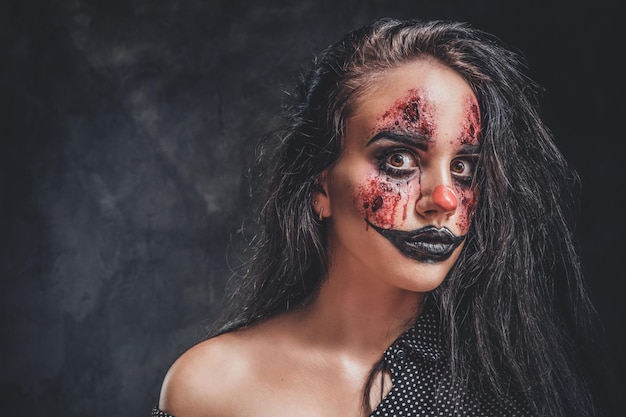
point(401, 160)
point(463, 168)
point(398, 163)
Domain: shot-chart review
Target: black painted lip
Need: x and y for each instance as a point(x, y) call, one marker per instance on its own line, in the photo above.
point(428, 244)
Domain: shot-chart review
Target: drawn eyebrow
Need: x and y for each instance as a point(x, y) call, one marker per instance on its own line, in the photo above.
point(416, 140)
point(469, 150)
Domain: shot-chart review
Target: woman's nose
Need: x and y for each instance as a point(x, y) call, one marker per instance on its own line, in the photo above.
point(442, 200)
point(444, 197)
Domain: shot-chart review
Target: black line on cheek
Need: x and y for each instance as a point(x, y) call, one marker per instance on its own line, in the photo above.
point(377, 204)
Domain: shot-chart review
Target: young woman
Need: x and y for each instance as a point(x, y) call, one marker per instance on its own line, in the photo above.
point(416, 254)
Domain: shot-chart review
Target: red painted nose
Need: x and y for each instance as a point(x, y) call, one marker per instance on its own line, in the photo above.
point(444, 197)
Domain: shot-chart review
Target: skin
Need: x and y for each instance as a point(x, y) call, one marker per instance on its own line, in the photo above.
point(314, 361)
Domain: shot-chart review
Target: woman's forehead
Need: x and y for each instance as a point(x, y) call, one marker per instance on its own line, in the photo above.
point(422, 80)
point(423, 97)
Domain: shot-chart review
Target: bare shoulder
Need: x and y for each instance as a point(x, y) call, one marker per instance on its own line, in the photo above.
point(206, 380)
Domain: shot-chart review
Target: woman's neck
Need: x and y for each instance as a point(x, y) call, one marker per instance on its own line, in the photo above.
point(357, 312)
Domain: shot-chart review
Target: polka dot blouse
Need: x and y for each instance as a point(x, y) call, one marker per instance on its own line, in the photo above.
point(422, 383)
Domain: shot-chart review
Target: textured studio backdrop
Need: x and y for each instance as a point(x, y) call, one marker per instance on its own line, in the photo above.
point(128, 127)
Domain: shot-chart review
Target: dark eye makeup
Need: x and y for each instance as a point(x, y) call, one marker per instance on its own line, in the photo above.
point(463, 168)
point(398, 162)
point(401, 163)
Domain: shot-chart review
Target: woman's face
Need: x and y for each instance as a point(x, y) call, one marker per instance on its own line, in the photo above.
point(400, 197)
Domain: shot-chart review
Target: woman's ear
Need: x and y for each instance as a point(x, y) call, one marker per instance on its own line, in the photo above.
point(321, 197)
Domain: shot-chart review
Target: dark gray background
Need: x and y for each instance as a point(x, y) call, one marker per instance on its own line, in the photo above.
point(127, 129)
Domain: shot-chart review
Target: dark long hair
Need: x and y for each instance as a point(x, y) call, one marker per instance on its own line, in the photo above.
point(514, 306)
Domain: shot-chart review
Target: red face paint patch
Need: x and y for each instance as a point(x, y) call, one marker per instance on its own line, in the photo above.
point(377, 200)
point(470, 130)
point(469, 135)
point(467, 206)
point(412, 112)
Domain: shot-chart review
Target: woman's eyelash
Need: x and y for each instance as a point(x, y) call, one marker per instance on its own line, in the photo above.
point(469, 160)
point(385, 164)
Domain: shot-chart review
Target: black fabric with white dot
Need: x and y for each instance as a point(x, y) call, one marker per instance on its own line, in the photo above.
point(422, 382)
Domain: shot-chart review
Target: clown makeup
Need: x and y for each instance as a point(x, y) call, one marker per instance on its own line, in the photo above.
point(402, 134)
point(406, 173)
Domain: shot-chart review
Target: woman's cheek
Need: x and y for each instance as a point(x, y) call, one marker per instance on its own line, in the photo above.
point(468, 200)
point(381, 202)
